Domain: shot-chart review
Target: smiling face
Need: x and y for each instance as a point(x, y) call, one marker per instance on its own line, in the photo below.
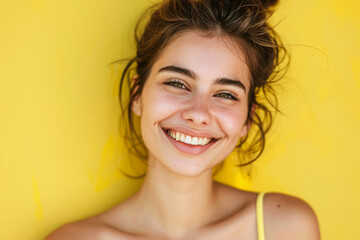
point(194, 104)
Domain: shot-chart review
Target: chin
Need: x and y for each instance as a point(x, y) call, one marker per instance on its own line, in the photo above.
point(187, 167)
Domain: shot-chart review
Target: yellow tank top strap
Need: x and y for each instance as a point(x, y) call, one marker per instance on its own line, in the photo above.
point(260, 216)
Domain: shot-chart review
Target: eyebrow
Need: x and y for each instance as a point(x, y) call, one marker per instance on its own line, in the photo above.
point(230, 82)
point(180, 70)
point(193, 75)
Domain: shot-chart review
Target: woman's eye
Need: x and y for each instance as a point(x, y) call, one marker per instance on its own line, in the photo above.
point(176, 84)
point(226, 95)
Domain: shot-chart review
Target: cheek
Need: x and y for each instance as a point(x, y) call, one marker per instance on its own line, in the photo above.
point(161, 105)
point(232, 121)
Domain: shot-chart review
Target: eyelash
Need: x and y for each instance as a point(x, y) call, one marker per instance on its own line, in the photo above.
point(228, 96)
point(173, 82)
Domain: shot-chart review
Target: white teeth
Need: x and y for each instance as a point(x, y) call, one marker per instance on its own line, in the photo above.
point(182, 138)
point(188, 139)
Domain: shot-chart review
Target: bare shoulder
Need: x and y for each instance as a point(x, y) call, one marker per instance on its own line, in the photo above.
point(89, 229)
point(98, 227)
point(288, 217)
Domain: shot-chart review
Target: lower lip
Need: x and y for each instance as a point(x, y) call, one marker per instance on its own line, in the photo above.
point(187, 148)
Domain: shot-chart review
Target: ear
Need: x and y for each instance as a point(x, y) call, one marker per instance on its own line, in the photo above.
point(248, 123)
point(136, 104)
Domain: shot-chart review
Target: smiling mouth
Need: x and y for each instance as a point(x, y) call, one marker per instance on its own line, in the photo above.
point(190, 140)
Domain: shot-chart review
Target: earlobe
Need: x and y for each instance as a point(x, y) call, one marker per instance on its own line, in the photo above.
point(245, 130)
point(136, 106)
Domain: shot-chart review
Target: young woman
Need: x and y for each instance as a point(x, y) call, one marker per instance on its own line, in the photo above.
point(203, 77)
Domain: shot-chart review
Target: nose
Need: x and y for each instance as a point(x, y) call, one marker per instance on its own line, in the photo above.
point(198, 111)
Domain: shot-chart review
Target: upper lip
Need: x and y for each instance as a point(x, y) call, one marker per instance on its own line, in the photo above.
point(191, 132)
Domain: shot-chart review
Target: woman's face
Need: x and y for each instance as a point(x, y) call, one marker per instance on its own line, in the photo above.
point(194, 104)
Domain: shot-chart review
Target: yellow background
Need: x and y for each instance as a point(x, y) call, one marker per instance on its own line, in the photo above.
point(60, 150)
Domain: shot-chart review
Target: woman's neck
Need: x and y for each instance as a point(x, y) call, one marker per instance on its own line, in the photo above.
point(173, 204)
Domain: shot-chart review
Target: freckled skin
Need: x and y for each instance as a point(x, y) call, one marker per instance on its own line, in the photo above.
point(162, 105)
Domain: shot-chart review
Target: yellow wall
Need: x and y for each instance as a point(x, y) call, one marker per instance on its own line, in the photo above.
point(60, 150)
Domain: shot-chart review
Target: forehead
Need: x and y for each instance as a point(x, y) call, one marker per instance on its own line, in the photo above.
point(208, 57)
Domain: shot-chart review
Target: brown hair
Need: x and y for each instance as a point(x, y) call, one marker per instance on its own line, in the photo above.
point(244, 21)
